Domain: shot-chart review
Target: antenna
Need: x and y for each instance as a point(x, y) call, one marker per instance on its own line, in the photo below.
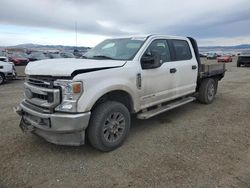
point(76, 32)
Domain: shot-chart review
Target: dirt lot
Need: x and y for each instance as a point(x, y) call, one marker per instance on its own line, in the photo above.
point(193, 146)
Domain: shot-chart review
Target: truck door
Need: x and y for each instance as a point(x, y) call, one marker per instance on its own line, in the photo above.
point(157, 83)
point(185, 65)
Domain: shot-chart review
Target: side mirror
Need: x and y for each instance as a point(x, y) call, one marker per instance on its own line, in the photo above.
point(151, 61)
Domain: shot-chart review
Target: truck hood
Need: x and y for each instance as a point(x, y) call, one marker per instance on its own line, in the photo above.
point(69, 67)
point(3, 63)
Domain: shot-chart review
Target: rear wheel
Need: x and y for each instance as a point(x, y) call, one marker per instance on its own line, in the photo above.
point(238, 64)
point(207, 91)
point(1, 78)
point(109, 126)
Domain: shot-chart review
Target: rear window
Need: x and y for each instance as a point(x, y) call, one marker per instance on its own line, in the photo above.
point(182, 50)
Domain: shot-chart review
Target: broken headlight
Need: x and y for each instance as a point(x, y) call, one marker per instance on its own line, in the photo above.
point(71, 92)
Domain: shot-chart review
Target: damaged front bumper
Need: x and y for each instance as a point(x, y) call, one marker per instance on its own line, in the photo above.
point(57, 128)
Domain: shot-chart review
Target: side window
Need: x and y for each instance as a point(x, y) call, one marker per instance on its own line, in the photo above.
point(159, 47)
point(182, 50)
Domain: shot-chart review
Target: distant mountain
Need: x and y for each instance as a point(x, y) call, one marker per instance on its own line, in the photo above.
point(28, 45)
point(241, 47)
point(202, 48)
point(234, 49)
point(39, 46)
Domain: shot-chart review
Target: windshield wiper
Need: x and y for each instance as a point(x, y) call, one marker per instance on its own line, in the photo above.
point(103, 56)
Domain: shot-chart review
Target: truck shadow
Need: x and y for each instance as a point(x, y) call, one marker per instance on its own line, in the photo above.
point(137, 127)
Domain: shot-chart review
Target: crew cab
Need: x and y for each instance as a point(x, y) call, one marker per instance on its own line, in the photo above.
point(70, 100)
point(7, 70)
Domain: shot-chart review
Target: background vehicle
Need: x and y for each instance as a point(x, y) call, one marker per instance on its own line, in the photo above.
point(212, 56)
point(18, 59)
point(68, 98)
point(3, 58)
point(202, 55)
point(225, 58)
point(244, 59)
point(35, 56)
point(7, 70)
point(53, 55)
point(67, 55)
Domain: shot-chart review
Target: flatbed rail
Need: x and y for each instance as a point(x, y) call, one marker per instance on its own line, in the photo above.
point(209, 70)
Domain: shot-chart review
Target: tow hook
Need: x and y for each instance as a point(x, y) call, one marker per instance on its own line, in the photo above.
point(18, 110)
point(25, 126)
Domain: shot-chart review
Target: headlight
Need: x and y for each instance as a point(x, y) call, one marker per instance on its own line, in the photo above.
point(71, 92)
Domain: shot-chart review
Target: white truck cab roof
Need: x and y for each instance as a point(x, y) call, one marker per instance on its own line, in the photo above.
point(144, 37)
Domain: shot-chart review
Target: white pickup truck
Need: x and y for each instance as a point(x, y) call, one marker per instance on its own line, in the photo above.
point(7, 70)
point(70, 100)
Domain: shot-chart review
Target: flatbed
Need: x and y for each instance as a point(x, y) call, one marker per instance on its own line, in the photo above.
point(210, 70)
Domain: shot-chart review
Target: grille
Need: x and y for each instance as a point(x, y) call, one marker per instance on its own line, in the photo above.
point(41, 92)
point(39, 96)
point(36, 108)
point(40, 83)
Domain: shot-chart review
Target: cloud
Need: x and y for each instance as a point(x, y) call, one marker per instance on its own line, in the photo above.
point(197, 18)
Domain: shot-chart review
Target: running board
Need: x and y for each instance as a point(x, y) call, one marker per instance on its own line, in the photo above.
point(160, 109)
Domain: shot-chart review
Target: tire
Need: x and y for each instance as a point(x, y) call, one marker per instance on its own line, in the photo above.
point(207, 91)
point(109, 126)
point(216, 84)
point(238, 64)
point(1, 78)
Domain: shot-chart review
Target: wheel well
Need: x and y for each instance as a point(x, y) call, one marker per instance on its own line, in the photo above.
point(119, 96)
point(2, 75)
point(216, 78)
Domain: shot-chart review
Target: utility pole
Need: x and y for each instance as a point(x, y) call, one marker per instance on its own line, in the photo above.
point(76, 32)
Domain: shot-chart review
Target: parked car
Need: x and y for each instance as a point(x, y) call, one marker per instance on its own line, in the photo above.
point(67, 55)
point(53, 55)
point(203, 55)
point(4, 59)
point(225, 58)
point(36, 56)
point(18, 59)
point(244, 59)
point(79, 53)
point(68, 100)
point(2, 53)
point(212, 56)
point(7, 70)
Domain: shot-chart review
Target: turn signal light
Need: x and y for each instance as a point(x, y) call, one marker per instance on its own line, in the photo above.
point(77, 88)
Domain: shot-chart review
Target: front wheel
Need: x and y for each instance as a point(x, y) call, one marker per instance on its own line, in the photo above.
point(207, 91)
point(1, 78)
point(238, 64)
point(109, 126)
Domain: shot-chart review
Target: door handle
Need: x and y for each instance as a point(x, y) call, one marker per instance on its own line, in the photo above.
point(173, 70)
point(194, 67)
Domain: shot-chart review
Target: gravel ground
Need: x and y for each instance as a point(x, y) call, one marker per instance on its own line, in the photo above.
point(192, 146)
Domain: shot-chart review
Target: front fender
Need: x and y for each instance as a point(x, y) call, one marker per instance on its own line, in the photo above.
point(94, 91)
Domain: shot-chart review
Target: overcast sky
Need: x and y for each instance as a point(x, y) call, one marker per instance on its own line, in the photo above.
point(212, 22)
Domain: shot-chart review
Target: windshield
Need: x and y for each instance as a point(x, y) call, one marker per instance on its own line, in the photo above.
point(16, 56)
point(3, 59)
point(245, 52)
point(37, 55)
point(117, 49)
